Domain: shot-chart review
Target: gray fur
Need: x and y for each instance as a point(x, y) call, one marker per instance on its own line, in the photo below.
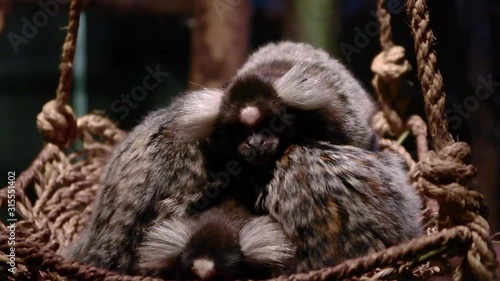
point(315, 81)
point(147, 172)
point(341, 202)
point(346, 91)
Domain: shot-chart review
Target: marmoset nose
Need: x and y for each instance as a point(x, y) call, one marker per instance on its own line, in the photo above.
point(256, 141)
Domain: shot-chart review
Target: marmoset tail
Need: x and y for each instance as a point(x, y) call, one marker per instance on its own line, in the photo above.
point(340, 202)
point(220, 244)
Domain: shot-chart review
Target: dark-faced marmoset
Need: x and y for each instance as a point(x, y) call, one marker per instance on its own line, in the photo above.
point(287, 93)
point(222, 243)
point(339, 202)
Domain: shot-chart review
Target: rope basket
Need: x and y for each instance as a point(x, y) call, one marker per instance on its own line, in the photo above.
point(65, 181)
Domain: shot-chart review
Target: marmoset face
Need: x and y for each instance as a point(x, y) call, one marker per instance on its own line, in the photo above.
point(254, 124)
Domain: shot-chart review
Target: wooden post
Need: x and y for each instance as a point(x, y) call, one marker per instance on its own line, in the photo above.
point(316, 22)
point(4, 10)
point(220, 40)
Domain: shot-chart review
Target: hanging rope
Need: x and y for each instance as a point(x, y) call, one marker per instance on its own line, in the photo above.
point(384, 19)
point(57, 122)
point(430, 78)
point(442, 174)
point(388, 66)
point(418, 128)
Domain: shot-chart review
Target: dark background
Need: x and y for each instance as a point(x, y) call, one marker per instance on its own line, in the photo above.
point(121, 43)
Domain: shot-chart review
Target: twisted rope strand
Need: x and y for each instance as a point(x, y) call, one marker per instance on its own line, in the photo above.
point(57, 122)
point(388, 66)
point(428, 73)
point(443, 174)
point(384, 19)
point(68, 54)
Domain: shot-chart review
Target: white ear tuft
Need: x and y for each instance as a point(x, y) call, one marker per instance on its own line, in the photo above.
point(262, 241)
point(163, 243)
point(305, 87)
point(197, 114)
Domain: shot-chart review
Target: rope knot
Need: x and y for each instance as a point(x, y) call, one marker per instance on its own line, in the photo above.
point(380, 124)
point(443, 175)
point(391, 64)
point(57, 123)
point(388, 66)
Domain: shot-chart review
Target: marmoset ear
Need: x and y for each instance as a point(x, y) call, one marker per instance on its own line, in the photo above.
point(163, 243)
point(305, 87)
point(197, 114)
point(262, 241)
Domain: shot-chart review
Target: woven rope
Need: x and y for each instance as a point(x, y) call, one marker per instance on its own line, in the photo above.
point(31, 250)
point(57, 122)
point(66, 183)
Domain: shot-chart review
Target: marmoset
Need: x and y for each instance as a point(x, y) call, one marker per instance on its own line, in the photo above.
point(338, 202)
point(287, 93)
point(222, 243)
point(148, 176)
point(337, 89)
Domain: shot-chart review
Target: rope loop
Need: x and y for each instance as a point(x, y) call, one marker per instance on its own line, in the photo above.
point(389, 65)
point(442, 176)
point(481, 256)
point(57, 122)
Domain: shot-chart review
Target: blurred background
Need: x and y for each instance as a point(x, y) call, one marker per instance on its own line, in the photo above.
point(185, 44)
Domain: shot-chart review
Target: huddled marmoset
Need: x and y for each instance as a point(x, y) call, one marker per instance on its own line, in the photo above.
point(346, 102)
point(286, 94)
point(338, 202)
point(148, 176)
point(223, 243)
